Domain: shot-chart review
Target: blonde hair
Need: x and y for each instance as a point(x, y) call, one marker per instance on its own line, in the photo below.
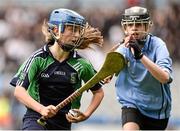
point(46, 33)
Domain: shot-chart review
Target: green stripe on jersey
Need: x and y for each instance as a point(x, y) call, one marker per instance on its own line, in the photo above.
point(42, 64)
point(85, 71)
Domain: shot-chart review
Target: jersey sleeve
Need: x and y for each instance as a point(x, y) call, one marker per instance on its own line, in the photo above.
point(25, 74)
point(122, 50)
point(163, 59)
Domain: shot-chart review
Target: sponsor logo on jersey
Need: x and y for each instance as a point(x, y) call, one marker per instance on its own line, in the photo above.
point(62, 73)
point(44, 75)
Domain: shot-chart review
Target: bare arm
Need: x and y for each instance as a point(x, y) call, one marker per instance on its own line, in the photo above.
point(157, 72)
point(160, 74)
point(21, 94)
point(95, 102)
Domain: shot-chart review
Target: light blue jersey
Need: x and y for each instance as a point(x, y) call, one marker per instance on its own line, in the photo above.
point(136, 87)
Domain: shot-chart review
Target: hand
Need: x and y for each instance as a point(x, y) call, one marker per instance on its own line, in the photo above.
point(126, 40)
point(133, 44)
point(48, 111)
point(76, 117)
point(107, 79)
point(135, 49)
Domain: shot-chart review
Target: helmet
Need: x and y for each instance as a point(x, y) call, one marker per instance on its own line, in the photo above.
point(62, 17)
point(135, 15)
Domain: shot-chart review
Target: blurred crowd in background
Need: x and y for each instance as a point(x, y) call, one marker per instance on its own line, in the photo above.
point(20, 35)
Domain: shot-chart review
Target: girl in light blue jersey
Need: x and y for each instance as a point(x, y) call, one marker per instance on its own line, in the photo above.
point(142, 87)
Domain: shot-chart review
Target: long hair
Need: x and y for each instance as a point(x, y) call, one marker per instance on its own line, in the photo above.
point(48, 37)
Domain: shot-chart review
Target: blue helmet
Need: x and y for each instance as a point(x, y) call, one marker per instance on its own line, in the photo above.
point(61, 17)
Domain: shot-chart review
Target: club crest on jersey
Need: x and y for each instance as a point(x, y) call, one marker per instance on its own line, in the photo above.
point(73, 78)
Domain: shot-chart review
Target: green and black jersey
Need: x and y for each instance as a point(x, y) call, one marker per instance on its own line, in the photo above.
point(49, 81)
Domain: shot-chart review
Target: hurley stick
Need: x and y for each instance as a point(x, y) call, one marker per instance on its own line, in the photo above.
point(114, 63)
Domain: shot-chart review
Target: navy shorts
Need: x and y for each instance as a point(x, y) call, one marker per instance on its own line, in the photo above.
point(30, 123)
point(144, 122)
point(59, 122)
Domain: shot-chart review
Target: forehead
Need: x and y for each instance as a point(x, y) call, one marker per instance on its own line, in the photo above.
point(136, 25)
point(70, 26)
point(73, 25)
point(73, 28)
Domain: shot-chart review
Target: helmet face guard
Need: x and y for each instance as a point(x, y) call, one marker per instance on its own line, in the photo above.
point(61, 18)
point(136, 15)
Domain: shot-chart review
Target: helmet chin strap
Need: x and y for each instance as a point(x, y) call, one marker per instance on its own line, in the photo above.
point(66, 47)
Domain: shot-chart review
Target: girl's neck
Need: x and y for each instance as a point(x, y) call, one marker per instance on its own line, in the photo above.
point(58, 53)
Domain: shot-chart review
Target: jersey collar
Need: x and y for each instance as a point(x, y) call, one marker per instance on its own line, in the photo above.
point(46, 49)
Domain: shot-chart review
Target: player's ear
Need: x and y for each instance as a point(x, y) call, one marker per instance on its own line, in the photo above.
point(125, 31)
point(55, 30)
point(124, 27)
